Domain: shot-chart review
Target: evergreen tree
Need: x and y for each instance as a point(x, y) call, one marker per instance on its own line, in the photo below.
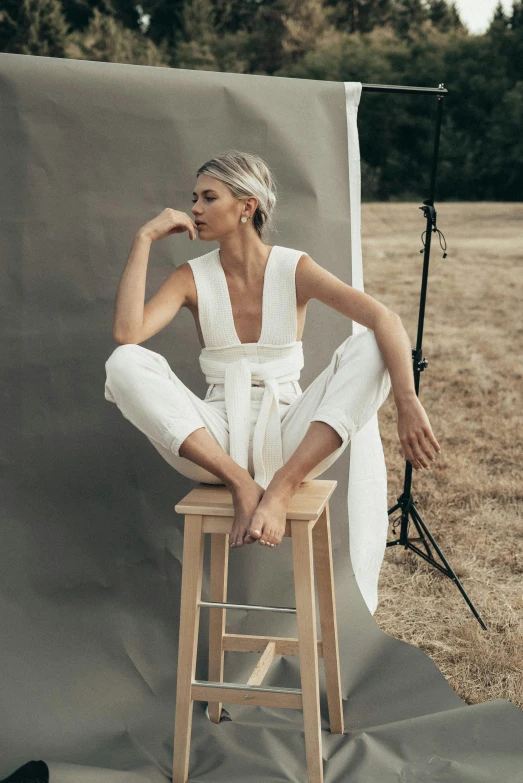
point(444, 16)
point(167, 20)
point(501, 159)
point(305, 22)
point(108, 40)
point(265, 44)
point(234, 15)
point(360, 16)
point(514, 36)
point(80, 12)
point(500, 19)
point(196, 51)
point(166, 16)
point(35, 27)
point(406, 15)
point(516, 18)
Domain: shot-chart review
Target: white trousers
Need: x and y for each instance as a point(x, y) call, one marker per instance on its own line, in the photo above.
point(346, 394)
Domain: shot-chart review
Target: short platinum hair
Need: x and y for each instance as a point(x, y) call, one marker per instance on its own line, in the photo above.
point(246, 174)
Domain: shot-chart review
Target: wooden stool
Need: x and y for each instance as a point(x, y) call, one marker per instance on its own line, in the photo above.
point(208, 508)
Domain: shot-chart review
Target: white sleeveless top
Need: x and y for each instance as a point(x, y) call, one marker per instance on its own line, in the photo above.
point(278, 355)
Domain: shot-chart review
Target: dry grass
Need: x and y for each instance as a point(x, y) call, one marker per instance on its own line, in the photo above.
point(471, 499)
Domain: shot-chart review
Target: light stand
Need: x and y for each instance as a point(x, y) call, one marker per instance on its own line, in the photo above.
point(406, 502)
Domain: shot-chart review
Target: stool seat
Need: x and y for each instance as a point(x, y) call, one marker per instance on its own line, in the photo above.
point(208, 508)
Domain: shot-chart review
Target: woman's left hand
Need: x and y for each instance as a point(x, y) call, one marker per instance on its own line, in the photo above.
point(415, 433)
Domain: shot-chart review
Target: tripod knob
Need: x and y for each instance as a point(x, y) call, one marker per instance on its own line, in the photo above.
point(420, 364)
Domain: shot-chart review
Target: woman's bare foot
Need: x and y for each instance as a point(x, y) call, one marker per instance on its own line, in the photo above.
point(269, 518)
point(246, 497)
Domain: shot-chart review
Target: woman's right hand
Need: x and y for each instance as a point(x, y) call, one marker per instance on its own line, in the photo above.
point(170, 221)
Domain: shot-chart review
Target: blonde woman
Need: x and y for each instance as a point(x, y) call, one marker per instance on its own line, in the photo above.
point(255, 431)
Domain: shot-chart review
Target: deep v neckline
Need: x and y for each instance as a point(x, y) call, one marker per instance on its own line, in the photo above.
point(232, 327)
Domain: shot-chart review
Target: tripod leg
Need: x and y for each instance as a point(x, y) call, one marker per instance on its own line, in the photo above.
point(448, 571)
point(403, 539)
point(421, 536)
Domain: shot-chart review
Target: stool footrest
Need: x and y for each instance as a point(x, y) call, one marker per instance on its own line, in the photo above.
point(239, 642)
point(242, 686)
point(240, 693)
point(259, 607)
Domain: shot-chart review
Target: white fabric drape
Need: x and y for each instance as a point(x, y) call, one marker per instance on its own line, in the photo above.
point(367, 489)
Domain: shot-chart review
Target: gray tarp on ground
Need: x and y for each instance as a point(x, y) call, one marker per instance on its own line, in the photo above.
point(91, 551)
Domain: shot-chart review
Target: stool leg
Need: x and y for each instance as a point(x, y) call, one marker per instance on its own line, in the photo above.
point(321, 537)
point(302, 553)
point(218, 592)
point(192, 569)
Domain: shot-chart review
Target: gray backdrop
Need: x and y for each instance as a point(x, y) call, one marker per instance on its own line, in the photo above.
point(90, 561)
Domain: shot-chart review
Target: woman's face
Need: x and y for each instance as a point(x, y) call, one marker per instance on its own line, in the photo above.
point(217, 208)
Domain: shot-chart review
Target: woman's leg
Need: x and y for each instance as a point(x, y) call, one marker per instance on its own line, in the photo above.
point(318, 425)
point(152, 397)
point(346, 395)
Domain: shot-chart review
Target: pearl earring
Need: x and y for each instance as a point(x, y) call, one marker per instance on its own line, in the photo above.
point(244, 219)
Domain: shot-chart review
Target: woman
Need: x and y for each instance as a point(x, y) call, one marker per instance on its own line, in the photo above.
point(255, 431)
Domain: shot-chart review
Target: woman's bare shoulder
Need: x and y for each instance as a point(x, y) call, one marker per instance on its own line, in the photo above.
point(306, 278)
point(185, 280)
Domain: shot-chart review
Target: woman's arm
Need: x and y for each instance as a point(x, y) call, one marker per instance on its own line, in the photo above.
point(130, 296)
point(129, 308)
point(414, 430)
point(394, 344)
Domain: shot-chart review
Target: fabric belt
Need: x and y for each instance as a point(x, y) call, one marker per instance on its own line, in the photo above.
point(237, 377)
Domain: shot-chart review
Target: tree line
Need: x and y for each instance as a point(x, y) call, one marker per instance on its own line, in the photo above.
point(404, 42)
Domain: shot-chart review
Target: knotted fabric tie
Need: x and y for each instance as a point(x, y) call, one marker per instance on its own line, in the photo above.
point(237, 377)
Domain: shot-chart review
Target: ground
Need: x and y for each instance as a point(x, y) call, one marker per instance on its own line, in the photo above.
point(472, 390)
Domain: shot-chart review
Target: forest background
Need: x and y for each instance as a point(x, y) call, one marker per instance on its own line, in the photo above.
point(409, 42)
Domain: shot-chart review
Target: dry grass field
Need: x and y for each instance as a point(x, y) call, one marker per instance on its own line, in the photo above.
point(471, 498)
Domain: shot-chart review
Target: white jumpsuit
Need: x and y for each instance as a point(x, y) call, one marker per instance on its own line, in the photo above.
point(254, 406)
